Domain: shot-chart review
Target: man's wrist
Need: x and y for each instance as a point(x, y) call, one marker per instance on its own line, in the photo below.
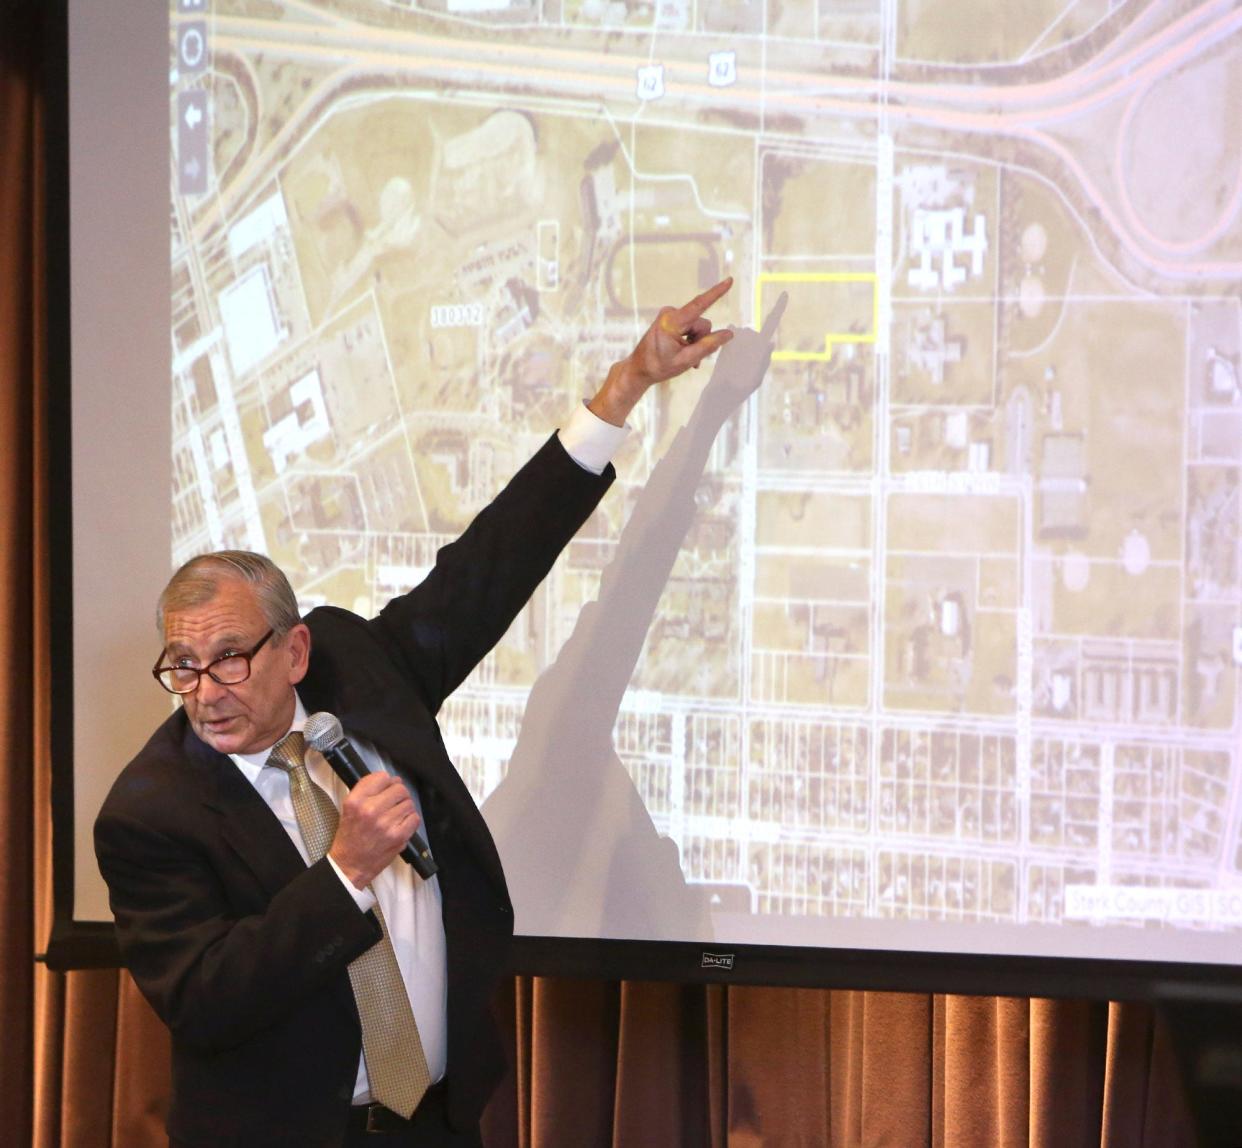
point(619, 395)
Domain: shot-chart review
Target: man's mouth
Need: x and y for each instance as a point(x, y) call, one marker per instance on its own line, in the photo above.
point(217, 724)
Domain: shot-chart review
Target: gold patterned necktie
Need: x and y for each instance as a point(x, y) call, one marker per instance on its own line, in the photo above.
point(396, 1064)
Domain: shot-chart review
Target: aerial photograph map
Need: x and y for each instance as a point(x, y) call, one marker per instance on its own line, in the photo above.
point(949, 626)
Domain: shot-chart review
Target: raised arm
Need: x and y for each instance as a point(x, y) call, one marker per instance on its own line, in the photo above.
point(450, 621)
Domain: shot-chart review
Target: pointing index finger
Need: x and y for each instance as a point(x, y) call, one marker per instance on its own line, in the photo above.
point(700, 303)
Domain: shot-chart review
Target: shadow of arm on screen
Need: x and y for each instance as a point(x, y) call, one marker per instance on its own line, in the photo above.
point(581, 854)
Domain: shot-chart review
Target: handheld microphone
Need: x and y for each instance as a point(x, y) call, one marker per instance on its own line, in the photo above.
point(323, 732)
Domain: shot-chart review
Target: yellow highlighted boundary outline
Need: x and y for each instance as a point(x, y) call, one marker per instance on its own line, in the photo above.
point(832, 336)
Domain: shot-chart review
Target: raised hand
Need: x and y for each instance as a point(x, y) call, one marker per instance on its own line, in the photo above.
point(680, 338)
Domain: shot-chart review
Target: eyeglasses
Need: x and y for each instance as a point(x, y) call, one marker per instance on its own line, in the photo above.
point(227, 670)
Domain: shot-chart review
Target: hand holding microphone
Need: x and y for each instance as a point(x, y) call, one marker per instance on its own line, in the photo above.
point(375, 818)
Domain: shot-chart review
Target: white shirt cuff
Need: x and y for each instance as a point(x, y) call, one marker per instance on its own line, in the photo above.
point(363, 898)
point(590, 441)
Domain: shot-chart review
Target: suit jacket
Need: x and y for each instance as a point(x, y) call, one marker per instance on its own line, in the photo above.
point(239, 946)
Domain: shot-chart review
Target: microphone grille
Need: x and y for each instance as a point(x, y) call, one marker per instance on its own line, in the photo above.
point(322, 731)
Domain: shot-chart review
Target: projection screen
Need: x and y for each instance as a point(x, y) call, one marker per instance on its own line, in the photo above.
point(929, 643)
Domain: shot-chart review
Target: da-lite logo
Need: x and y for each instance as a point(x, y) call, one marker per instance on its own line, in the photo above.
point(717, 961)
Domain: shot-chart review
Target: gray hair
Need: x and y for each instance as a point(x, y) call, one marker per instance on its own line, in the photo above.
point(197, 581)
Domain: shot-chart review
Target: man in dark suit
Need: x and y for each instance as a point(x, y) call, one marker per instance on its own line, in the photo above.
point(318, 992)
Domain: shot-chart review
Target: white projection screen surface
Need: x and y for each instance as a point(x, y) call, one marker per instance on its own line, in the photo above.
point(929, 644)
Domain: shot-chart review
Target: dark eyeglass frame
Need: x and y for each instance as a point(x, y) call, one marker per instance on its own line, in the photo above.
point(158, 671)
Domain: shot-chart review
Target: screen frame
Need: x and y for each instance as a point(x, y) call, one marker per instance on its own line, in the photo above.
point(81, 944)
point(72, 943)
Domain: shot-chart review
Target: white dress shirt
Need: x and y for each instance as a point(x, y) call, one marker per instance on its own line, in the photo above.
point(411, 906)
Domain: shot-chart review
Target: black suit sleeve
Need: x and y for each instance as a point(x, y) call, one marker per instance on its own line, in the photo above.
point(214, 977)
point(448, 623)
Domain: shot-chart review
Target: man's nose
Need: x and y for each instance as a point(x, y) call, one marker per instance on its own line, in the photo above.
point(210, 691)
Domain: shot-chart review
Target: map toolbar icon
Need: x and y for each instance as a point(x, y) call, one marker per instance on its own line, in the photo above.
point(192, 137)
point(192, 46)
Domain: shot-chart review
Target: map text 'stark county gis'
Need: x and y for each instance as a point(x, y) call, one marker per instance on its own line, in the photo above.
point(956, 633)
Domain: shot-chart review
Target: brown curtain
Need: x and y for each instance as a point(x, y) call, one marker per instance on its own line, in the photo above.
point(84, 1063)
point(18, 338)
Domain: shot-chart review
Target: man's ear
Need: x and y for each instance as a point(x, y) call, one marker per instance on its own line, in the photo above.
point(298, 644)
